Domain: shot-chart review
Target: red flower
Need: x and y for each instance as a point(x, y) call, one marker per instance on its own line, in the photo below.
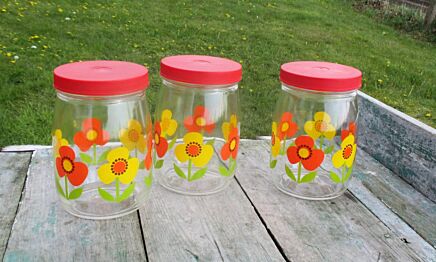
point(199, 121)
point(91, 134)
point(352, 128)
point(148, 160)
point(76, 172)
point(287, 128)
point(304, 152)
point(231, 147)
point(161, 144)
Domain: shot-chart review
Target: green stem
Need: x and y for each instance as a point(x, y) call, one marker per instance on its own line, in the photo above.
point(321, 142)
point(189, 169)
point(299, 172)
point(66, 187)
point(94, 147)
point(343, 171)
point(117, 188)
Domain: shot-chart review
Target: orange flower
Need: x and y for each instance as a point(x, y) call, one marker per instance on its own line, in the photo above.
point(148, 160)
point(76, 172)
point(304, 152)
point(199, 121)
point(352, 128)
point(91, 134)
point(161, 144)
point(286, 128)
point(231, 147)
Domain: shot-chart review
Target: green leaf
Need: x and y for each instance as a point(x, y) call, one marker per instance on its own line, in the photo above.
point(335, 177)
point(308, 177)
point(329, 149)
point(76, 193)
point(347, 175)
point(223, 171)
point(148, 180)
point(199, 174)
point(103, 156)
point(273, 164)
point(105, 195)
point(141, 165)
point(158, 164)
point(59, 187)
point(232, 166)
point(86, 158)
point(179, 172)
point(211, 142)
point(129, 190)
point(290, 174)
point(172, 143)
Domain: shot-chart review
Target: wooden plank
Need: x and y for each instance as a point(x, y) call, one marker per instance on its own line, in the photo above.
point(404, 200)
point(43, 231)
point(219, 227)
point(13, 169)
point(400, 142)
point(320, 230)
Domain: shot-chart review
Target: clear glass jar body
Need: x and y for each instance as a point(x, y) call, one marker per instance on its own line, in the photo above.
point(313, 142)
point(102, 153)
point(196, 137)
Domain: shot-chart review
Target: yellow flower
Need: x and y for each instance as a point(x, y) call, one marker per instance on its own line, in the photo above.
point(119, 166)
point(167, 124)
point(227, 126)
point(320, 127)
point(132, 137)
point(275, 141)
point(347, 153)
point(58, 141)
point(194, 149)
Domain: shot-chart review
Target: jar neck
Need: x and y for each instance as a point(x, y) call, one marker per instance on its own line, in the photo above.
point(312, 93)
point(198, 87)
point(71, 97)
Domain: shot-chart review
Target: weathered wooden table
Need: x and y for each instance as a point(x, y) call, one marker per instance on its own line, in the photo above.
point(381, 217)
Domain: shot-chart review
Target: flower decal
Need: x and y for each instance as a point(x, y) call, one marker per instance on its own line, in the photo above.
point(275, 141)
point(347, 153)
point(167, 124)
point(148, 159)
point(286, 128)
point(76, 172)
point(228, 126)
point(320, 127)
point(91, 134)
point(119, 167)
point(230, 148)
point(132, 137)
point(352, 128)
point(303, 152)
point(161, 144)
point(194, 150)
point(58, 141)
point(199, 121)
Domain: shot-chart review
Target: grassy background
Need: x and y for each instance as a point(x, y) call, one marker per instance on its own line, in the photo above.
point(398, 69)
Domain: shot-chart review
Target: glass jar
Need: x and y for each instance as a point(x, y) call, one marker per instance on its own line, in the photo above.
point(197, 124)
point(102, 138)
point(314, 129)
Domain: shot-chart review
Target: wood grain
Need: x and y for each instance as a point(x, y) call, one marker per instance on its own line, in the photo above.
point(13, 168)
point(43, 231)
point(342, 228)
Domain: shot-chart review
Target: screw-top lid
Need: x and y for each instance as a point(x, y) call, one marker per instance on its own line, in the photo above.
point(100, 78)
point(321, 76)
point(203, 70)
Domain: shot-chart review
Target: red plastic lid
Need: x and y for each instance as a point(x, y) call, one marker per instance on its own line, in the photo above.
point(100, 78)
point(321, 76)
point(203, 70)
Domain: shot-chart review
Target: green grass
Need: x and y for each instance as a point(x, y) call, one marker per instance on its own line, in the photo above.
point(398, 69)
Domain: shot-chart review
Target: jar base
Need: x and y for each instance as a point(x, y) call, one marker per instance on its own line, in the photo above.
point(92, 206)
point(211, 183)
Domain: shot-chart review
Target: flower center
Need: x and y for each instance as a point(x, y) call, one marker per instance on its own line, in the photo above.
point(320, 126)
point(304, 152)
point(119, 166)
point(193, 149)
point(232, 145)
point(67, 165)
point(156, 138)
point(285, 127)
point(346, 153)
point(91, 135)
point(133, 135)
point(200, 121)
